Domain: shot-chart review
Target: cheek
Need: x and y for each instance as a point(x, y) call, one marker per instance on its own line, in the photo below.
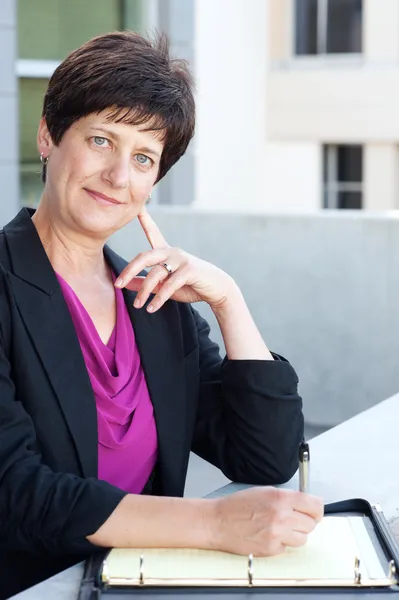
point(81, 165)
point(141, 188)
point(69, 167)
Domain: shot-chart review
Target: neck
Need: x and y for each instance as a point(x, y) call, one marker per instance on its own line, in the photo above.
point(70, 253)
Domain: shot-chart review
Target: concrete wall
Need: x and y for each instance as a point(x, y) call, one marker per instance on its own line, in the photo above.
point(323, 289)
point(9, 200)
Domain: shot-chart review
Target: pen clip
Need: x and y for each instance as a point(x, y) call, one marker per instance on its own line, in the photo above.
point(304, 454)
point(304, 458)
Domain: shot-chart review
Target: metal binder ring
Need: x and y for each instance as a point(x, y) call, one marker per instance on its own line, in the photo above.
point(358, 575)
point(392, 571)
point(141, 569)
point(250, 572)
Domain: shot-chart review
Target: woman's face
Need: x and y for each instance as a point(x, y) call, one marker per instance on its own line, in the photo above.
point(101, 173)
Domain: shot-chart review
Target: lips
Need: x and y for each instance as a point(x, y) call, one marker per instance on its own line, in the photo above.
point(102, 198)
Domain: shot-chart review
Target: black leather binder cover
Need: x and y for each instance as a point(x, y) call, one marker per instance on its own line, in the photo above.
point(379, 531)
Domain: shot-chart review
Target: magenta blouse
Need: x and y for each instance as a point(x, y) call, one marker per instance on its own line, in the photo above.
point(127, 438)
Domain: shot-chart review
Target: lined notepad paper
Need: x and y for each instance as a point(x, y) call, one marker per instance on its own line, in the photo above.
point(328, 554)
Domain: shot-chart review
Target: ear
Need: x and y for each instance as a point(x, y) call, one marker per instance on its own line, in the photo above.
point(44, 141)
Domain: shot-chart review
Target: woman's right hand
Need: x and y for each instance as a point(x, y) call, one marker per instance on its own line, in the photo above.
point(263, 521)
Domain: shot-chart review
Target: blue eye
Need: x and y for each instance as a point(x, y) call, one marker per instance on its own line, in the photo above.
point(142, 159)
point(100, 141)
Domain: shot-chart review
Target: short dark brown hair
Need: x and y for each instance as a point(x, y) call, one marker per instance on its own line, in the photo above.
point(135, 79)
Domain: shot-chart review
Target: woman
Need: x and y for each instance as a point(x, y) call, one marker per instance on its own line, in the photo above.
point(107, 375)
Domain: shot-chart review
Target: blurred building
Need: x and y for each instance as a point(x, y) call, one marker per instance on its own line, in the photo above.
point(296, 98)
point(334, 84)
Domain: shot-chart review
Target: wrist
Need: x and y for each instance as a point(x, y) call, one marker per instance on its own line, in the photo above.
point(210, 524)
point(232, 300)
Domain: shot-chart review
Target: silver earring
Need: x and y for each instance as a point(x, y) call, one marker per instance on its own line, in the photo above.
point(148, 199)
point(43, 159)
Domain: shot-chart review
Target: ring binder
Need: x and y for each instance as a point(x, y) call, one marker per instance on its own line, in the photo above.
point(351, 564)
point(357, 581)
point(121, 569)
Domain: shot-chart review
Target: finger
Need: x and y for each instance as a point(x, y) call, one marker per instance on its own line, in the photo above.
point(301, 522)
point(294, 539)
point(169, 287)
point(151, 230)
point(140, 262)
point(134, 285)
point(270, 549)
point(151, 285)
point(309, 505)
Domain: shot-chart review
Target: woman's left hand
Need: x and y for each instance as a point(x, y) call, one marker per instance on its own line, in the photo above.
point(191, 279)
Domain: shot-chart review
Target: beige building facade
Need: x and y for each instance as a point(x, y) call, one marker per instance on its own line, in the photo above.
point(333, 83)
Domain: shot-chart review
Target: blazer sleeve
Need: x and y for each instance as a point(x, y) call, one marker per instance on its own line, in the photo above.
point(42, 511)
point(249, 420)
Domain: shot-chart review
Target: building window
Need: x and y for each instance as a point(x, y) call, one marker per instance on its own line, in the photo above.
point(343, 176)
point(31, 94)
point(328, 27)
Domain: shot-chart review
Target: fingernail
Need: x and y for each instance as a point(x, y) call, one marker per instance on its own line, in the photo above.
point(119, 282)
point(137, 303)
point(150, 308)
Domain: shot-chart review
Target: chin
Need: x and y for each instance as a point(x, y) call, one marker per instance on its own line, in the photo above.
point(98, 224)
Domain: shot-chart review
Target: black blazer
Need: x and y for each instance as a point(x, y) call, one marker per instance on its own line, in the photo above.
point(245, 417)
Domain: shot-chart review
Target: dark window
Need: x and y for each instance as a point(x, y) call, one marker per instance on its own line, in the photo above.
point(344, 26)
point(328, 26)
point(306, 27)
point(349, 163)
point(342, 176)
point(351, 200)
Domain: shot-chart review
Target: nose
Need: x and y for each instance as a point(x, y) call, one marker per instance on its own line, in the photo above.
point(117, 172)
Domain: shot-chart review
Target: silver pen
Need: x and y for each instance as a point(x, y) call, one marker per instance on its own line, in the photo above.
point(304, 457)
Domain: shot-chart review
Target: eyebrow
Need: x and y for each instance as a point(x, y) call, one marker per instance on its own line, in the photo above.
point(144, 149)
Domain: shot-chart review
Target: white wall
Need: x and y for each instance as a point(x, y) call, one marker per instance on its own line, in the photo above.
point(293, 177)
point(381, 176)
point(381, 29)
point(346, 104)
point(236, 168)
point(231, 72)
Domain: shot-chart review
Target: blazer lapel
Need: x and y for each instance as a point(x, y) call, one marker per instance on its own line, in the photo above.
point(158, 338)
point(47, 318)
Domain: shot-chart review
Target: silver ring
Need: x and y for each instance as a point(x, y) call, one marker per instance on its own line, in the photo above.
point(167, 267)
